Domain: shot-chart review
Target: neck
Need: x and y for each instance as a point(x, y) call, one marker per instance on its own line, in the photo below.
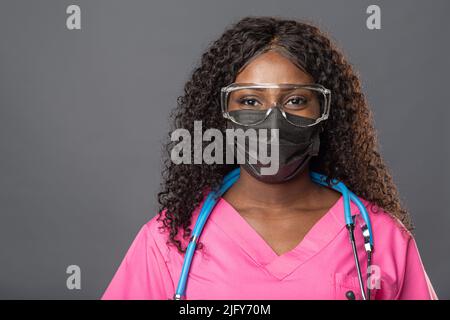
point(255, 193)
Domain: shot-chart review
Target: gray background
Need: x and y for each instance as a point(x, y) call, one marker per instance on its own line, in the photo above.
point(83, 114)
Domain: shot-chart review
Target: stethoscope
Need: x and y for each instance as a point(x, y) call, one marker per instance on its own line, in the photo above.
point(348, 196)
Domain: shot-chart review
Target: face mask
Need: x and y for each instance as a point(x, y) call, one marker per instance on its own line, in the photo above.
point(296, 144)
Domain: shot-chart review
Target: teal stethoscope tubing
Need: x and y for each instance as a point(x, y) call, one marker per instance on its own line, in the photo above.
point(230, 179)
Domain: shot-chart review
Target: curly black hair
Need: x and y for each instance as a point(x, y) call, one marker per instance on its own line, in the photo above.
point(349, 149)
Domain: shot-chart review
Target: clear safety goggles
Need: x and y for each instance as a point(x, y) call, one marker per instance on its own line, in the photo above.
point(311, 101)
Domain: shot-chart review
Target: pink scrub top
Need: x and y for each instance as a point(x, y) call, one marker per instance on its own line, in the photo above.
point(237, 263)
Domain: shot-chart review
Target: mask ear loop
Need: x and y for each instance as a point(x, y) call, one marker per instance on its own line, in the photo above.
point(315, 147)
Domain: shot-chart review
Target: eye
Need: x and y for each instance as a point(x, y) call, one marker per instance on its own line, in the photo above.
point(296, 102)
point(249, 102)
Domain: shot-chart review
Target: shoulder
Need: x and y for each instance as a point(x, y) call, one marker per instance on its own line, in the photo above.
point(387, 229)
point(397, 255)
point(149, 240)
point(159, 235)
point(154, 226)
point(393, 242)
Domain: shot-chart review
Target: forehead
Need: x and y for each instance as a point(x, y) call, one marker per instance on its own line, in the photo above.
point(272, 67)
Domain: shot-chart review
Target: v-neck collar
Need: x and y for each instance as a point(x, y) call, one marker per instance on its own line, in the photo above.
point(320, 235)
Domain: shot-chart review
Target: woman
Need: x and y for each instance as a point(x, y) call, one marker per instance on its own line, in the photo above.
point(280, 235)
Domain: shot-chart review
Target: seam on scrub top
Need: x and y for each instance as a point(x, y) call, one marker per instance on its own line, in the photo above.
point(402, 280)
point(162, 255)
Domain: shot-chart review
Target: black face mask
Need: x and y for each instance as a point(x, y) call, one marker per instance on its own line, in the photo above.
point(296, 144)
